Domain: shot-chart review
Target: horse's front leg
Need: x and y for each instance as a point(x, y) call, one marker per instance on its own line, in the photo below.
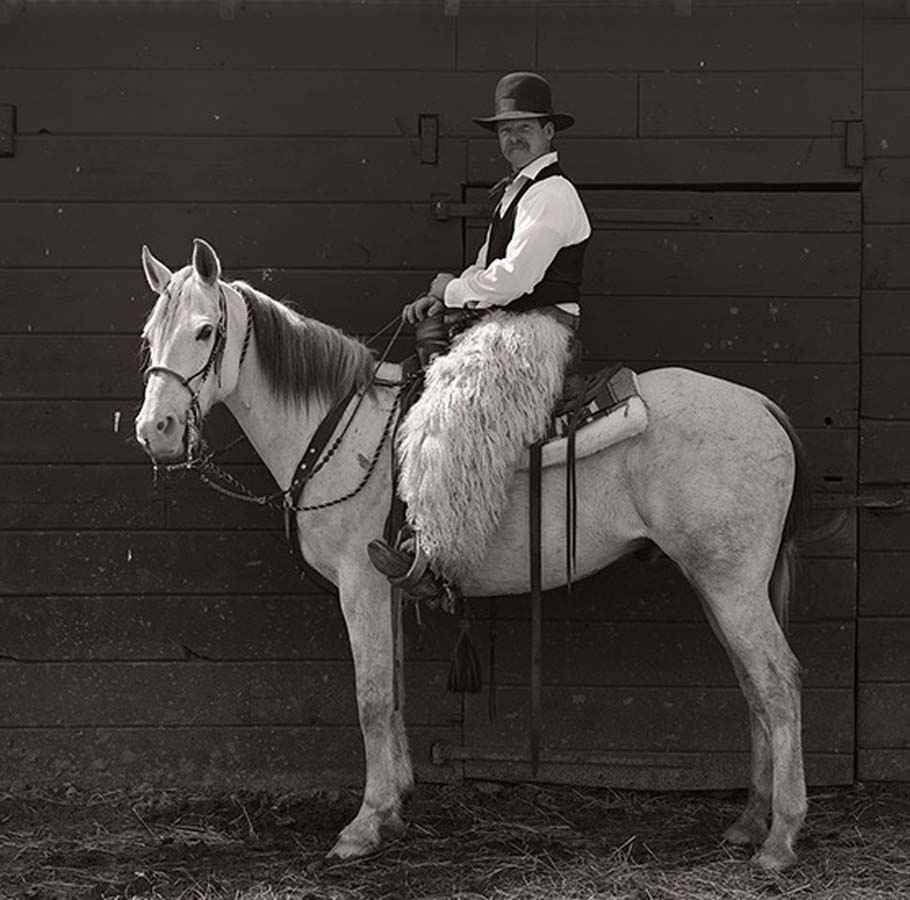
point(373, 632)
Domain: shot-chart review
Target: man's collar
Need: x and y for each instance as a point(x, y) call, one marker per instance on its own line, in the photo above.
point(535, 167)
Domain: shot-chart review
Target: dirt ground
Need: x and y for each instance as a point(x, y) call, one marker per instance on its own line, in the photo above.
point(481, 840)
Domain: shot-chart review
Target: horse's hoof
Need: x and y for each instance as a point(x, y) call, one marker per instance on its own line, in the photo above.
point(353, 843)
point(774, 859)
point(392, 828)
point(746, 834)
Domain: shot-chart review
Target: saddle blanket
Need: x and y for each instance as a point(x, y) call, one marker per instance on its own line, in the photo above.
point(611, 410)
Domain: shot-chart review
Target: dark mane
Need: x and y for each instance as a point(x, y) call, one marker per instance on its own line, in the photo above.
point(302, 358)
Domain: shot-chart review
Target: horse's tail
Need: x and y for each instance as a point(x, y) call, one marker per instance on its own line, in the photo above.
point(783, 578)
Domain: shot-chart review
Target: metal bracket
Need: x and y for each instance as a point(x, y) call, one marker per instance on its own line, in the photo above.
point(882, 499)
point(7, 130)
point(428, 130)
point(854, 145)
point(444, 209)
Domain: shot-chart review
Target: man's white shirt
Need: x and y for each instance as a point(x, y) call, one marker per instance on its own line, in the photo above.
point(548, 217)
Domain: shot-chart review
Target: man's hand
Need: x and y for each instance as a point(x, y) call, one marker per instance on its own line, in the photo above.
point(419, 309)
point(438, 285)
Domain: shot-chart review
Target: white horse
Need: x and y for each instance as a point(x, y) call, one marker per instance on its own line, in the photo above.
point(710, 482)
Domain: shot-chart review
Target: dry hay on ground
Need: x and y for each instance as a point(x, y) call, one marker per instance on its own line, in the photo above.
point(509, 842)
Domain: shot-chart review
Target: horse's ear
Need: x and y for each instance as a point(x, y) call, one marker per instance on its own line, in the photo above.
point(157, 273)
point(206, 262)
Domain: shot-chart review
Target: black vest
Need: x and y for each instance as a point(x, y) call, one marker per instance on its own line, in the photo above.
point(561, 283)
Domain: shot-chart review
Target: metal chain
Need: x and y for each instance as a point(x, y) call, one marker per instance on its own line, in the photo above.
point(206, 469)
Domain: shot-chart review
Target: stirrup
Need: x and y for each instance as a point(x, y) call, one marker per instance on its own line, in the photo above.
point(411, 574)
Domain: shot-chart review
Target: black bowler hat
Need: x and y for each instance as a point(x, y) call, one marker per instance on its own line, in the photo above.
point(524, 95)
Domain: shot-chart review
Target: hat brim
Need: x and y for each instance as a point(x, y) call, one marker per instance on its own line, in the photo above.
point(560, 121)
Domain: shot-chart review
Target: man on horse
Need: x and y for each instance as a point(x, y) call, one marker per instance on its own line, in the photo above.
point(491, 396)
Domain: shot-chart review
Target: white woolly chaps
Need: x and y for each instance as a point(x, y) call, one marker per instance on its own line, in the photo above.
point(483, 403)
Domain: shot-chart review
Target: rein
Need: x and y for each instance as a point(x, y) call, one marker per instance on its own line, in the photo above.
point(313, 458)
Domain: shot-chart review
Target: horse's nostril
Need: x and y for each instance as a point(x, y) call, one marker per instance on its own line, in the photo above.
point(165, 425)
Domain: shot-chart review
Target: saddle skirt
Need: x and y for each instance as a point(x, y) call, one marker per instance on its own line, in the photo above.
point(605, 408)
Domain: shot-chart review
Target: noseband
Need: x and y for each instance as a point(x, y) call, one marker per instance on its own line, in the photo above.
point(213, 363)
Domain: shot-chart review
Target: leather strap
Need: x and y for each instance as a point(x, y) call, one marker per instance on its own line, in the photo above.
point(534, 507)
point(305, 469)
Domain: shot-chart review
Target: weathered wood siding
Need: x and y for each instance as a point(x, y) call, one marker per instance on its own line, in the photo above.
point(883, 637)
point(162, 633)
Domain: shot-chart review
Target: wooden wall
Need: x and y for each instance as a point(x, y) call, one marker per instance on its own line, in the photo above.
point(883, 658)
point(162, 633)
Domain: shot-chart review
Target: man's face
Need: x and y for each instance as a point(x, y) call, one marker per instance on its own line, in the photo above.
point(523, 140)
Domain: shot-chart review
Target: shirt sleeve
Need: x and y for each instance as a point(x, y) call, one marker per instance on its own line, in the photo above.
point(542, 224)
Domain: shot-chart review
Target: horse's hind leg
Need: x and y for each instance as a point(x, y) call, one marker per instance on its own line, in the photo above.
point(769, 675)
point(752, 825)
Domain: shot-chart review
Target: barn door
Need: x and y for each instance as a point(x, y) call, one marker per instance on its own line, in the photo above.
point(759, 287)
point(883, 652)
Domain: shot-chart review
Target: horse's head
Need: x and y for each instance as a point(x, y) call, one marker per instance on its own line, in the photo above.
point(192, 362)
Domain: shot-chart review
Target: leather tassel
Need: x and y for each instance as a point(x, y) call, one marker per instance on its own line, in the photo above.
point(464, 672)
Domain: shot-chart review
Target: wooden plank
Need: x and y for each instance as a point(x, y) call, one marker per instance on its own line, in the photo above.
point(721, 210)
point(886, 263)
point(779, 104)
point(886, 122)
point(193, 693)
point(883, 715)
point(726, 264)
point(885, 59)
point(886, 9)
point(723, 264)
point(76, 497)
point(50, 235)
point(833, 457)
point(178, 36)
point(93, 431)
point(63, 366)
point(886, 322)
point(118, 562)
point(650, 720)
point(886, 191)
point(883, 765)
point(74, 301)
point(883, 650)
point(764, 329)
point(885, 380)
point(662, 771)
point(635, 591)
point(884, 455)
point(498, 38)
point(252, 758)
point(268, 102)
point(740, 38)
point(181, 627)
point(655, 654)
point(884, 530)
point(684, 161)
point(235, 169)
point(882, 584)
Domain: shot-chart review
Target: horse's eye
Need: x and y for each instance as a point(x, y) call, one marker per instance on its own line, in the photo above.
point(204, 333)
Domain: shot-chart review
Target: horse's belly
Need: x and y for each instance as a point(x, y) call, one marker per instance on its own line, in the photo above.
point(607, 528)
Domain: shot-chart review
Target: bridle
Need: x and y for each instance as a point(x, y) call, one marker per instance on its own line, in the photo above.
point(193, 430)
point(199, 458)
